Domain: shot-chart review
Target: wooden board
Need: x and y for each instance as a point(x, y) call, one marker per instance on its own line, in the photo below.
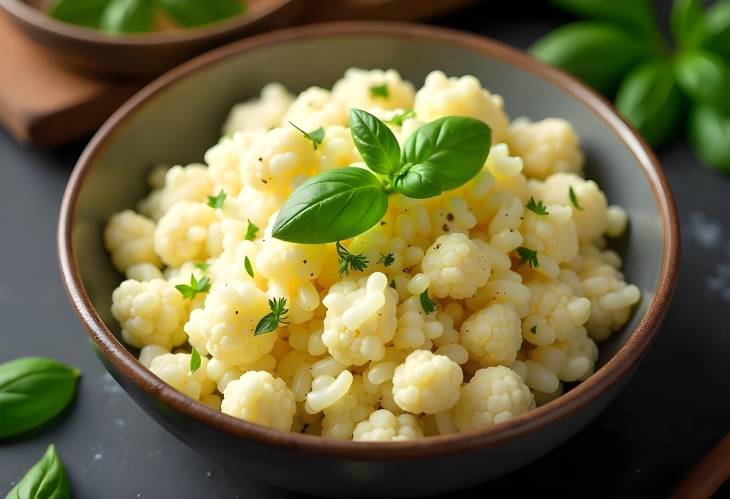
point(45, 104)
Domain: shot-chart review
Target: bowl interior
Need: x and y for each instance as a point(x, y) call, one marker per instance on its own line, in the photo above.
point(177, 125)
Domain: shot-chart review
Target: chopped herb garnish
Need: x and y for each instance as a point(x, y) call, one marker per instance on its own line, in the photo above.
point(537, 207)
point(349, 261)
point(316, 136)
point(427, 303)
point(271, 321)
point(251, 231)
point(195, 287)
point(202, 266)
point(533, 329)
point(247, 265)
point(573, 198)
point(528, 257)
point(380, 91)
point(392, 283)
point(399, 118)
point(194, 360)
point(217, 201)
point(386, 260)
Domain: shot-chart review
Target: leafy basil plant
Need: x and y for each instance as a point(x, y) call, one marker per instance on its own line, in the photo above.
point(342, 203)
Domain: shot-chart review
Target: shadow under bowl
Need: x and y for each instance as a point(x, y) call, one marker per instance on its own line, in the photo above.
point(176, 118)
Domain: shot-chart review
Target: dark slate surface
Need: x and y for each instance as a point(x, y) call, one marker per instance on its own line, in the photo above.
point(673, 411)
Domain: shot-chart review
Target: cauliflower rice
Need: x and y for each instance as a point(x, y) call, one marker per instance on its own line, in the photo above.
point(360, 356)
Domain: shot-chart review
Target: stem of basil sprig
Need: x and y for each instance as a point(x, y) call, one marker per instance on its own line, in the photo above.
point(344, 202)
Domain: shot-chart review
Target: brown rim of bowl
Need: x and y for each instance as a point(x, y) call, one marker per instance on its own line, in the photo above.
point(36, 17)
point(620, 365)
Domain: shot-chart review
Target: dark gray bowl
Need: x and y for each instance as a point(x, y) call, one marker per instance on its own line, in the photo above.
point(178, 117)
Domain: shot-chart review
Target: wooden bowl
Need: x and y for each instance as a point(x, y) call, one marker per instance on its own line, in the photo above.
point(142, 55)
point(176, 118)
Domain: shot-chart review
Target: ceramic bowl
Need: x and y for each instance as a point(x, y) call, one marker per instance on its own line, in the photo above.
point(176, 118)
point(141, 55)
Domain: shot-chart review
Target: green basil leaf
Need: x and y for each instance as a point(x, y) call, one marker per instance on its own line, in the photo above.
point(636, 16)
point(32, 391)
point(196, 12)
point(650, 99)
point(333, 206)
point(45, 480)
point(597, 53)
point(717, 28)
point(127, 16)
point(80, 12)
point(456, 147)
point(709, 134)
point(688, 23)
point(376, 143)
point(419, 181)
point(704, 77)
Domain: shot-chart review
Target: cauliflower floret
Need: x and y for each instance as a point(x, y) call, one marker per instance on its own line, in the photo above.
point(552, 235)
point(224, 326)
point(148, 353)
point(224, 161)
point(314, 108)
point(415, 328)
point(494, 395)
point(337, 149)
point(290, 262)
point(442, 96)
point(384, 426)
point(426, 383)
point(129, 238)
point(591, 219)
point(341, 417)
point(611, 298)
point(363, 89)
point(174, 369)
point(455, 266)
point(260, 398)
point(327, 390)
point(150, 313)
point(493, 335)
point(182, 233)
point(143, 272)
point(360, 319)
point(259, 115)
point(546, 146)
point(223, 373)
point(278, 159)
point(556, 314)
point(182, 183)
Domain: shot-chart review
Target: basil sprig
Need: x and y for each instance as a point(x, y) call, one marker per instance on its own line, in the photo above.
point(32, 391)
point(137, 16)
point(622, 53)
point(342, 203)
point(45, 480)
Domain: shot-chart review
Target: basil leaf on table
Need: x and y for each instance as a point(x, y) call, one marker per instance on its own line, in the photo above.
point(45, 480)
point(597, 53)
point(80, 12)
point(687, 22)
point(636, 16)
point(709, 134)
point(127, 16)
point(650, 99)
point(717, 28)
point(376, 143)
point(704, 77)
point(32, 391)
point(419, 181)
point(196, 12)
point(333, 206)
point(456, 147)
